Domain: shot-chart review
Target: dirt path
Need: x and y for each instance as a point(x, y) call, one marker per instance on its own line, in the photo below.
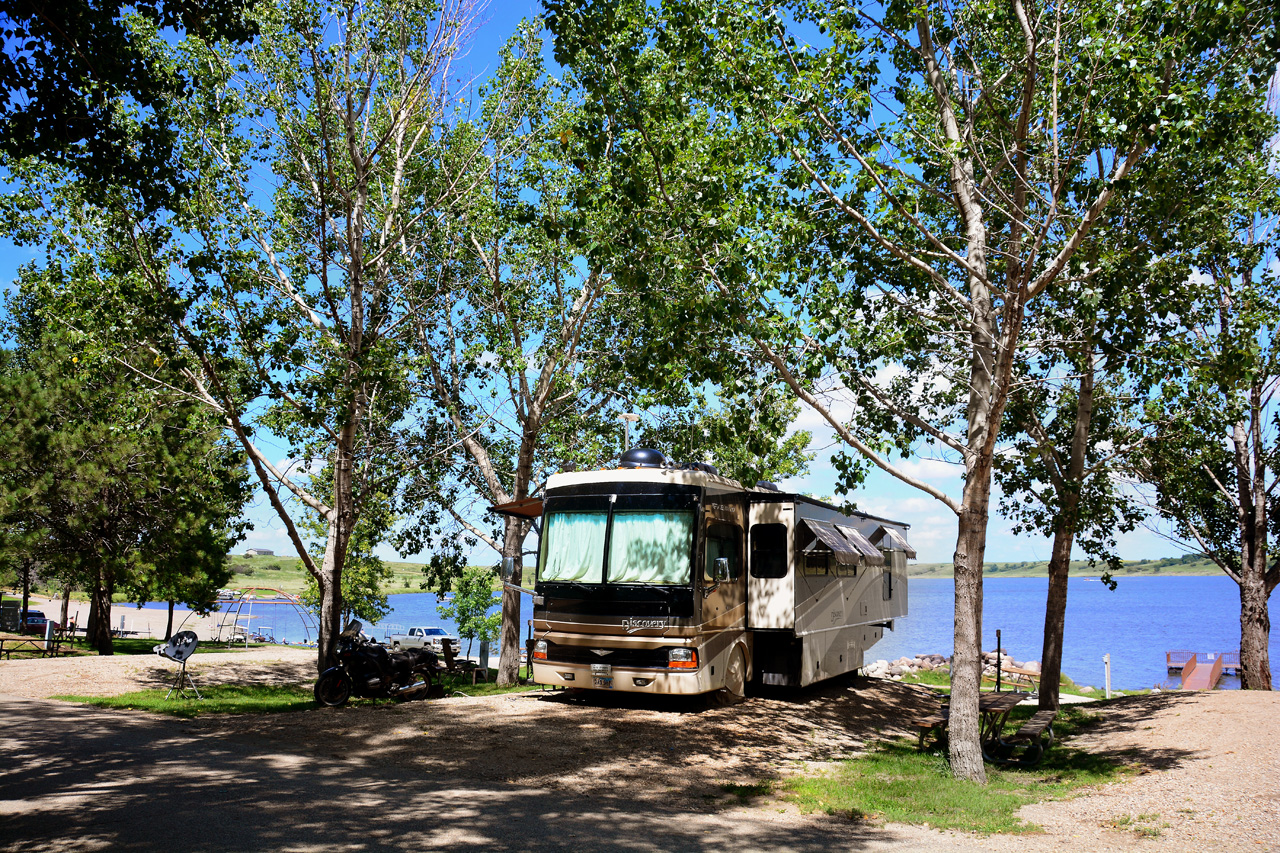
point(607, 774)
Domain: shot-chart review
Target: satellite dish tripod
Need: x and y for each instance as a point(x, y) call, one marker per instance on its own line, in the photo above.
point(180, 647)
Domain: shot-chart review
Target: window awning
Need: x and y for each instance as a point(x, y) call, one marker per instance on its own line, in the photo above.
point(896, 541)
point(523, 508)
point(862, 545)
point(837, 540)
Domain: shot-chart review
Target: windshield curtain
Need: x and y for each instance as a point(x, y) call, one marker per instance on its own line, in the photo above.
point(647, 547)
point(650, 547)
point(573, 547)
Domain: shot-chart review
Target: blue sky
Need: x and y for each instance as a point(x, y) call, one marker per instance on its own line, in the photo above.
point(933, 526)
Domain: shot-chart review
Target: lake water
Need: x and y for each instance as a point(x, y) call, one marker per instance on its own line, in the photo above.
point(1136, 624)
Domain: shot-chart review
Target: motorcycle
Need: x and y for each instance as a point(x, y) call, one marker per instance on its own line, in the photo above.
point(360, 667)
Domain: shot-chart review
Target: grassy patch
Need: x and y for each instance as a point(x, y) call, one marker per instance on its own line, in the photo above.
point(218, 699)
point(896, 782)
point(940, 680)
point(746, 793)
point(1142, 825)
point(462, 684)
point(261, 699)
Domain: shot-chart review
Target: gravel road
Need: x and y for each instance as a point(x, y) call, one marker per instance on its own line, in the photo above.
point(558, 772)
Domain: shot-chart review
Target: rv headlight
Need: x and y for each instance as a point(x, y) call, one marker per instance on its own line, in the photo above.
point(682, 659)
point(540, 650)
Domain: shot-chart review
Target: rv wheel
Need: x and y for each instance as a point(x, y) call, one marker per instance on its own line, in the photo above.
point(735, 679)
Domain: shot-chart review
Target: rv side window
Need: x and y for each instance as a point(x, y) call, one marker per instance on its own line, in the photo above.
point(723, 540)
point(769, 551)
point(817, 563)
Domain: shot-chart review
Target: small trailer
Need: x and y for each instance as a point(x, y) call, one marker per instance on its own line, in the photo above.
point(665, 578)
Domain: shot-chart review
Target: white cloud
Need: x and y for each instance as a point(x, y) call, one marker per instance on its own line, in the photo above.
point(930, 470)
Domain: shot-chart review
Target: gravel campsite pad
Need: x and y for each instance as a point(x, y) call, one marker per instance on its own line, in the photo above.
point(1208, 765)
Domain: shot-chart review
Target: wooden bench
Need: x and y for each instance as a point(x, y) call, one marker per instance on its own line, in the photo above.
point(1014, 676)
point(934, 723)
point(1033, 737)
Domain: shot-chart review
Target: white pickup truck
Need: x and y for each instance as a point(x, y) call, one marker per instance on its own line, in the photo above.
point(420, 638)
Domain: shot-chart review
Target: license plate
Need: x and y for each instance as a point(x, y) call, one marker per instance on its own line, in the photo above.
point(601, 669)
point(605, 681)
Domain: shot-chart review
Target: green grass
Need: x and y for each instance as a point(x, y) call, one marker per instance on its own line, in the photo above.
point(260, 699)
point(462, 684)
point(218, 699)
point(898, 783)
point(940, 680)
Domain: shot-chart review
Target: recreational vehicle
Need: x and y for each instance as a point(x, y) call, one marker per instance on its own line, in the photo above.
point(665, 578)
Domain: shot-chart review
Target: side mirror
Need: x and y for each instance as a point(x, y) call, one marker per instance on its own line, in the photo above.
point(721, 571)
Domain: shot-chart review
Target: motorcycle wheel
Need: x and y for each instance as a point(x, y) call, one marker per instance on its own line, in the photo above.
point(421, 693)
point(332, 689)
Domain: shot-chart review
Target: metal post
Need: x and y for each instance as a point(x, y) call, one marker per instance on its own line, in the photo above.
point(998, 666)
point(627, 418)
point(1106, 660)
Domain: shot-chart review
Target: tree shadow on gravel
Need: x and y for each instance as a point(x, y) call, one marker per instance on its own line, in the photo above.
point(1119, 722)
point(76, 778)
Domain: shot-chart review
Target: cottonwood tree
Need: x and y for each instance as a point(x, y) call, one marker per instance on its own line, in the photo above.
point(1214, 466)
point(1058, 472)
point(79, 87)
point(855, 189)
point(528, 351)
point(1109, 337)
point(322, 161)
point(504, 350)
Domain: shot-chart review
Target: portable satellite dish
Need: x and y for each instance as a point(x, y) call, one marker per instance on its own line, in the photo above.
point(180, 647)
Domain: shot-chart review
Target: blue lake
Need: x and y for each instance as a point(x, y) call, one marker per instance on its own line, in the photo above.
point(1136, 624)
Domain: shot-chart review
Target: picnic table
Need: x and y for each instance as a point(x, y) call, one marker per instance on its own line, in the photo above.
point(1034, 737)
point(9, 645)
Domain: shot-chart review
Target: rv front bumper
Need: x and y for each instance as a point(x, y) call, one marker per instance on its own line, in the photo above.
point(622, 679)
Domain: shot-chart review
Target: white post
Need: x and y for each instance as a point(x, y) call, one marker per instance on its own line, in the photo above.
point(1106, 660)
point(627, 418)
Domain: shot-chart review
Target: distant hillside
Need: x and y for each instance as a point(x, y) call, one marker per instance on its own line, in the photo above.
point(287, 574)
point(1188, 564)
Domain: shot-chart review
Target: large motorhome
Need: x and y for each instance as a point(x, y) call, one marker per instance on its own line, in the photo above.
point(664, 578)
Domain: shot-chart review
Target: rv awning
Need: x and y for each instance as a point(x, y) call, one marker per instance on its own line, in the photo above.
point(847, 553)
point(896, 541)
point(862, 545)
point(523, 508)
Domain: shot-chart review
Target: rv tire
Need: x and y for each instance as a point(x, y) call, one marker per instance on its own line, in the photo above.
point(735, 679)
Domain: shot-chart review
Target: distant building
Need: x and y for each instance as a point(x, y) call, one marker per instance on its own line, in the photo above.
point(259, 552)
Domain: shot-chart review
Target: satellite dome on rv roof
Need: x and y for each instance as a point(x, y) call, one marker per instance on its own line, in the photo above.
point(642, 457)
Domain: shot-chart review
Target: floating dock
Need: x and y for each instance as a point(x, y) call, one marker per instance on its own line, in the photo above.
point(1201, 671)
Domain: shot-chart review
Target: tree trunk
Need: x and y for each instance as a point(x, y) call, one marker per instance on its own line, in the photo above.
point(91, 626)
point(1255, 631)
point(509, 655)
point(66, 605)
point(966, 664)
point(100, 639)
point(1069, 489)
point(1055, 617)
point(26, 594)
point(330, 621)
point(168, 628)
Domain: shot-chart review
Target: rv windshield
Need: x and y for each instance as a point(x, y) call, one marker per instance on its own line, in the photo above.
point(646, 547)
point(573, 546)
